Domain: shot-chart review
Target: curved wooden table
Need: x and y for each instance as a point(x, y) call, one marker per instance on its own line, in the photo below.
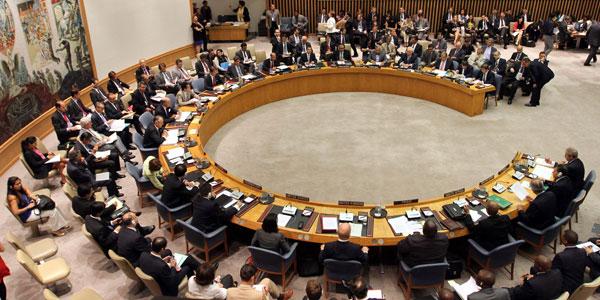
point(271, 89)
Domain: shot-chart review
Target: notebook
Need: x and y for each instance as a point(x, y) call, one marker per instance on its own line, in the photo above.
point(503, 203)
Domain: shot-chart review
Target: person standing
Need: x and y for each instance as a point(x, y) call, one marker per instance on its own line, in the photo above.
point(593, 38)
point(199, 34)
point(539, 75)
point(548, 32)
point(273, 19)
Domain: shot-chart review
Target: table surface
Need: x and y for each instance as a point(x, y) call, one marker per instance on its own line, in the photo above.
point(278, 87)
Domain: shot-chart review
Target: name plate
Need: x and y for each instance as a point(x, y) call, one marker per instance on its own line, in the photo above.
point(351, 203)
point(254, 185)
point(504, 169)
point(407, 201)
point(297, 197)
point(452, 193)
point(486, 180)
point(220, 168)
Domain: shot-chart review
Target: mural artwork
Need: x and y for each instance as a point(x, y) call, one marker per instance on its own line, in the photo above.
point(43, 55)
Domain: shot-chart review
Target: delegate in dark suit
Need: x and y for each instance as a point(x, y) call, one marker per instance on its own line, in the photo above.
point(269, 64)
point(444, 65)
point(540, 74)
point(543, 286)
point(166, 112)
point(409, 60)
point(576, 171)
point(211, 81)
point(102, 232)
point(541, 211)
point(490, 232)
point(97, 94)
point(131, 244)
point(77, 110)
point(153, 137)
point(175, 193)
point(417, 249)
point(141, 71)
point(208, 215)
point(466, 70)
point(343, 251)
point(593, 38)
point(60, 122)
point(563, 190)
point(80, 174)
point(341, 56)
point(114, 84)
point(167, 277)
point(140, 101)
point(308, 59)
point(498, 66)
point(571, 263)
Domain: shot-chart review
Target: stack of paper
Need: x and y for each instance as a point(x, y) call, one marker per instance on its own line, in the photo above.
point(465, 289)
point(103, 176)
point(401, 225)
point(356, 229)
point(54, 159)
point(543, 172)
point(183, 115)
point(477, 215)
point(102, 154)
point(282, 220)
point(175, 153)
point(519, 191)
point(112, 138)
point(542, 162)
point(172, 137)
point(329, 223)
point(595, 248)
point(116, 202)
point(375, 294)
point(118, 125)
point(179, 258)
point(282, 67)
point(249, 76)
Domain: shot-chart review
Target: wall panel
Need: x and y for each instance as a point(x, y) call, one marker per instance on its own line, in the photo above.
point(434, 9)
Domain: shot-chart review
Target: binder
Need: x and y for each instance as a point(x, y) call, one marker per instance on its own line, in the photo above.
point(502, 203)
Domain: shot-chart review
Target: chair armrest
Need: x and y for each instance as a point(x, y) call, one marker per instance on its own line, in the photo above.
point(291, 252)
point(179, 208)
point(214, 232)
point(404, 267)
point(478, 248)
point(532, 230)
point(148, 149)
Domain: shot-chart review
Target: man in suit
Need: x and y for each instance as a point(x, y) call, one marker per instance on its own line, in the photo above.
point(594, 258)
point(273, 19)
point(180, 74)
point(115, 85)
point(575, 168)
point(213, 79)
point(285, 51)
point(176, 189)
point(541, 211)
point(427, 248)
point(166, 81)
point(485, 29)
point(408, 59)
point(165, 110)
point(417, 48)
point(299, 21)
point(421, 25)
point(447, 21)
point(295, 38)
point(370, 15)
point(236, 70)
point(64, 126)
point(429, 56)
point(246, 290)
point(489, 49)
point(245, 57)
point(562, 187)
point(131, 243)
point(79, 172)
point(487, 77)
point(486, 279)
point(492, 231)
point(511, 80)
point(518, 55)
point(465, 69)
point(142, 69)
point(326, 49)
point(359, 34)
point(323, 16)
point(82, 203)
point(593, 38)
point(76, 109)
point(270, 64)
point(343, 249)
point(94, 163)
point(187, 96)
point(377, 56)
point(501, 26)
point(540, 75)
point(498, 64)
point(443, 63)
point(571, 262)
point(103, 141)
point(308, 58)
point(276, 43)
point(440, 44)
point(140, 100)
point(160, 264)
point(101, 124)
point(103, 231)
point(203, 65)
point(341, 54)
point(302, 47)
point(98, 94)
point(154, 135)
point(542, 58)
point(546, 283)
point(208, 215)
point(457, 53)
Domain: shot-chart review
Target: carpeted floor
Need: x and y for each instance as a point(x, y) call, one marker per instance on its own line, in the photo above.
point(404, 147)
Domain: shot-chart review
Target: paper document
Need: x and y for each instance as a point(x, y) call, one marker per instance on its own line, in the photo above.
point(401, 225)
point(103, 176)
point(526, 184)
point(595, 248)
point(282, 220)
point(224, 192)
point(183, 115)
point(249, 76)
point(172, 137)
point(543, 172)
point(102, 154)
point(475, 215)
point(519, 191)
point(118, 125)
point(112, 138)
point(329, 223)
point(232, 202)
point(179, 258)
point(465, 289)
point(128, 116)
point(116, 202)
point(282, 67)
point(356, 229)
point(175, 152)
point(542, 162)
point(54, 159)
point(440, 73)
point(375, 294)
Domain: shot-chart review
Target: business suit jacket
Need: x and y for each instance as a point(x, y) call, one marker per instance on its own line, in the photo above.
point(36, 163)
point(112, 85)
point(80, 173)
point(498, 66)
point(343, 251)
point(269, 15)
point(490, 232)
point(266, 65)
point(346, 55)
point(490, 294)
point(412, 60)
point(276, 45)
point(299, 22)
point(429, 58)
point(466, 71)
point(378, 58)
point(543, 286)
point(76, 109)
point(489, 78)
point(99, 125)
point(539, 73)
point(102, 232)
point(140, 101)
point(304, 58)
point(208, 215)
point(114, 110)
point(175, 193)
point(593, 35)
point(181, 75)
point(232, 72)
point(60, 127)
point(153, 137)
point(576, 171)
point(562, 188)
point(210, 81)
point(131, 244)
point(141, 71)
point(161, 81)
point(516, 56)
point(571, 263)
point(440, 45)
point(447, 65)
point(541, 211)
point(301, 48)
point(168, 278)
point(457, 54)
point(416, 249)
point(98, 95)
point(202, 70)
point(240, 53)
point(166, 112)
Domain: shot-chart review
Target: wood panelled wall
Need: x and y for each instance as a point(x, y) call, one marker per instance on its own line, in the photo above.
point(434, 9)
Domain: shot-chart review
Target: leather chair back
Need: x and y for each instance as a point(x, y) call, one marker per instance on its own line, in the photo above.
point(338, 270)
point(29, 265)
point(586, 290)
point(149, 282)
point(124, 265)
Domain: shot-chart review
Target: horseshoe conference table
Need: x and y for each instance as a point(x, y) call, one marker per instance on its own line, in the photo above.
point(378, 231)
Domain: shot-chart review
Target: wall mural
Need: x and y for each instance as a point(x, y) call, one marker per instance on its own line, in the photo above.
point(43, 54)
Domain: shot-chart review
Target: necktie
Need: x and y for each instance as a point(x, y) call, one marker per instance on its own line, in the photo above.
point(341, 56)
point(239, 72)
point(146, 71)
point(304, 48)
point(518, 56)
point(39, 153)
point(285, 48)
point(114, 106)
point(442, 65)
point(205, 67)
point(100, 93)
point(80, 108)
point(341, 39)
point(213, 80)
point(502, 23)
point(271, 64)
point(484, 76)
point(245, 55)
point(185, 74)
point(69, 124)
point(103, 119)
point(119, 88)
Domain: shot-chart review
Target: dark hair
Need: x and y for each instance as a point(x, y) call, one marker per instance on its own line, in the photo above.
point(142, 83)
point(74, 92)
point(73, 155)
point(10, 184)
point(30, 140)
point(429, 228)
point(205, 274)
point(57, 104)
point(154, 165)
point(242, 3)
point(313, 290)
point(97, 208)
point(84, 189)
point(185, 85)
point(270, 223)
point(180, 170)
point(85, 136)
point(359, 287)
point(570, 237)
point(158, 244)
point(178, 60)
point(247, 271)
point(243, 44)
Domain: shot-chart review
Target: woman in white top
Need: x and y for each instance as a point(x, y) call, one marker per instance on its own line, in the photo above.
point(204, 285)
point(331, 23)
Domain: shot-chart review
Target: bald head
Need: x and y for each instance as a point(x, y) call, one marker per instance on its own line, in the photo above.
point(542, 263)
point(485, 278)
point(491, 208)
point(445, 294)
point(344, 231)
point(429, 229)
